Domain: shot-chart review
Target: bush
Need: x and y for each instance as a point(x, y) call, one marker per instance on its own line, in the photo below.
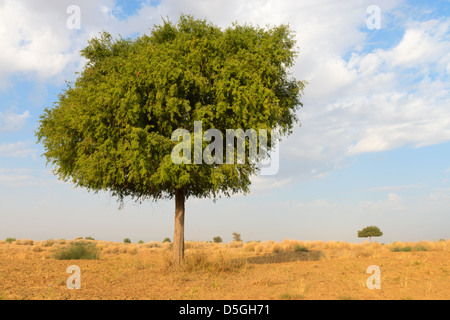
point(78, 251)
point(9, 240)
point(217, 239)
point(299, 248)
point(126, 240)
point(141, 241)
point(89, 238)
point(167, 239)
point(401, 249)
point(236, 236)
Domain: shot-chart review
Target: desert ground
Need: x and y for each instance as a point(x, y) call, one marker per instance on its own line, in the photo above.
point(286, 270)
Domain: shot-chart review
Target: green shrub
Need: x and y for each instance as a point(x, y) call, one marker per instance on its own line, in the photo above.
point(89, 238)
point(299, 248)
point(9, 240)
point(167, 239)
point(78, 251)
point(401, 249)
point(217, 239)
point(126, 240)
point(141, 241)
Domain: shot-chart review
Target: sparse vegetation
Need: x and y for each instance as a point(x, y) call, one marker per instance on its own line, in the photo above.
point(10, 240)
point(126, 240)
point(217, 239)
point(167, 239)
point(89, 238)
point(289, 269)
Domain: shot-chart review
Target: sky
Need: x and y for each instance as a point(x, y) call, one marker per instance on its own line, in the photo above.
point(373, 147)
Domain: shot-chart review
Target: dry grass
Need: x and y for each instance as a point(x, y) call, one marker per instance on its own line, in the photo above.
point(236, 270)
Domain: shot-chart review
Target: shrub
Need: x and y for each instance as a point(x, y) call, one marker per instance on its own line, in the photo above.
point(236, 236)
point(167, 239)
point(401, 249)
point(141, 241)
point(77, 251)
point(126, 240)
point(217, 239)
point(9, 240)
point(89, 238)
point(299, 248)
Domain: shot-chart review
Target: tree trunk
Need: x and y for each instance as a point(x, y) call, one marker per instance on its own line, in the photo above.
point(178, 237)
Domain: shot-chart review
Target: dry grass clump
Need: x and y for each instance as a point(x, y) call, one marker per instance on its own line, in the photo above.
point(37, 249)
point(235, 244)
point(24, 242)
point(200, 260)
point(250, 246)
point(153, 244)
point(276, 248)
point(48, 243)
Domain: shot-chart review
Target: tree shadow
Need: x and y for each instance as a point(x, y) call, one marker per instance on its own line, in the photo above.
point(281, 257)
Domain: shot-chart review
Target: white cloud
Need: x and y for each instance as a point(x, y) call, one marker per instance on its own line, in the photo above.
point(397, 188)
point(10, 121)
point(19, 149)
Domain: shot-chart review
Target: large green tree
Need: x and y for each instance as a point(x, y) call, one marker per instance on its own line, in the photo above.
point(111, 128)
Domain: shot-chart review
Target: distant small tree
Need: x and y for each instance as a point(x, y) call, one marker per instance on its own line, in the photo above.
point(217, 239)
point(126, 240)
point(371, 231)
point(236, 236)
point(167, 239)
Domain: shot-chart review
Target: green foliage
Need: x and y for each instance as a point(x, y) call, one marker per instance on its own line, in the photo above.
point(299, 248)
point(126, 240)
point(371, 231)
point(78, 251)
point(110, 130)
point(217, 239)
point(89, 238)
point(9, 240)
point(167, 239)
point(401, 249)
point(140, 241)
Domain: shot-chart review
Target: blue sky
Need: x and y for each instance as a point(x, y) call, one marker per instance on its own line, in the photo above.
point(373, 148)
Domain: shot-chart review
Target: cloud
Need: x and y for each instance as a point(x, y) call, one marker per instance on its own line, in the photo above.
point(396, 188)
point(36, 40)
point(18, 149)
point(10, 121)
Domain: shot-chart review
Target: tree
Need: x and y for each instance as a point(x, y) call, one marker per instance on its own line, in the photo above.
point(110, 130)
point(371, 231)
point(236, 236)
point(217, 239)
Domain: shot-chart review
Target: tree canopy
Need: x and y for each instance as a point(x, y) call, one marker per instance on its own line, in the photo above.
point(369, 232)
